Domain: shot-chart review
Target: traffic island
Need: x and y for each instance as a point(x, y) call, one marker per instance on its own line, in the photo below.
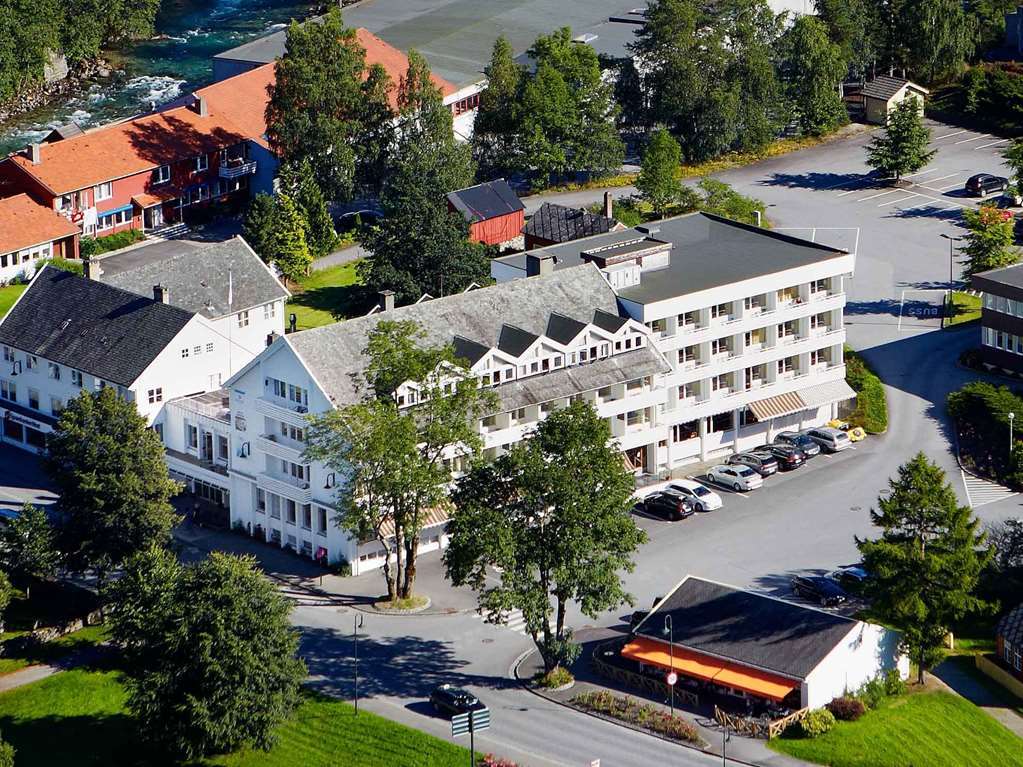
point(407, 606)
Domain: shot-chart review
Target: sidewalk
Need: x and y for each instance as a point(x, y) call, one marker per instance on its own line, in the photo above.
point(969, 683)
point(41, 671)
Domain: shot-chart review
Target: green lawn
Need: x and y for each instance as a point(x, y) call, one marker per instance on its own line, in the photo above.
point(326, 296)
point(79, 718)
point(965, 308)
point(51, 651)
point(8, 295)
point(929, 729)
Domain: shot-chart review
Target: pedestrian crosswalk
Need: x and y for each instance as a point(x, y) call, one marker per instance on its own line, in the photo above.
point(516, 621)
point(983, 491)
point(303, 597)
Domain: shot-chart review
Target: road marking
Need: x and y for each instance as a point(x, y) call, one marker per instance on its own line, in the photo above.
point(975, 138)
point(921, 173)
point(879, 194)
point(939, 178)
point(896, 202)
point(949, 135)
point(993, 143)
point(515, 620)
point(850, 191)
point(981, 492)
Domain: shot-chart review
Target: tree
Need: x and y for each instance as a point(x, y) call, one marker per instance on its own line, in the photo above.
point(553, 514)
point(721, 200)
point(1013, 157)
point(496, 129)
point(325, 106)
point(7, 754)
point(753, 30)
point(927, 561)
point(28, 547)
point(299, 182)
point(988, 241)
point(938, 36)
point(658, 177)
point(260, 225)
point(814, 68)
point(903, 146)
point(211, 655)
point(109, 473)
point(6, 594)
point(392, 455)
point(289, 250)
point(853, 25)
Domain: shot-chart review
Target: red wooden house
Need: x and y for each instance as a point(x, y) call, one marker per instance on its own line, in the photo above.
point(494, 212)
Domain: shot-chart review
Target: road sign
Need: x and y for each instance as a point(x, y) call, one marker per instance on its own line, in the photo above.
point(595, 763)
point(460, 724)
point(470, 721)
point(671, 678)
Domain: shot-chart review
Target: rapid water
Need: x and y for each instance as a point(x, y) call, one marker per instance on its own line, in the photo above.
point(189, 33)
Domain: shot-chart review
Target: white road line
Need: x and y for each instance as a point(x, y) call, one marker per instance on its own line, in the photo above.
point(941, 178)
point(975, 138)
point(993, 143)
point(850, 191)
point(921, 173)
point(982, 491)
point(949, 135)
point(879, 194)
point(902, 304)
point(896, 202)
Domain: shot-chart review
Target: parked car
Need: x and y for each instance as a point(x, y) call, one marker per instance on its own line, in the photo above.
point(788, 457)
point(800, 440)
point(736, 477)
point(702, 498)
point(855, 433)
point(761, 461)
point(851, 578)
point(669, 506)
point(451, 700)
point(831, 440)
point(983, 184)
point(819, 588)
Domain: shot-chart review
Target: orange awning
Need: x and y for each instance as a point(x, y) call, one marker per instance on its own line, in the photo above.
point(711, 669)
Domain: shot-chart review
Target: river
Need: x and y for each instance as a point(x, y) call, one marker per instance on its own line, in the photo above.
point(189, 33)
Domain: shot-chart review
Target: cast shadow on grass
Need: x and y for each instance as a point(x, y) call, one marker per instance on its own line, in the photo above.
point(109, 740)
point(340, 301)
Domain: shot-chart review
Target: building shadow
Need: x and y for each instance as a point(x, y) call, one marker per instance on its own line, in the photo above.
point(819, 181)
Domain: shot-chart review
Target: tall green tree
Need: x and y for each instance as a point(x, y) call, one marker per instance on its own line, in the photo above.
point(6, 595)
point(926, 563)
point(903, 146)
point(108, 470)
point(28, 547)
point(554, 514)
point(211, 655)
point(753, 30)
point(393, 448)
point(260, 225)
point(496, 129)
point(853, 25)
point(1013, 157)
point(299, 182)
point(989, 239)
point(289, 248)
point(658, 181)
point(814, 68)
point(325, 106)
point(938, 36)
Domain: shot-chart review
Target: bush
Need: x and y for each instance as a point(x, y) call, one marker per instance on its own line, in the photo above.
point(640, 714)
point(894, 684)
point(6, 754)
point(489, 760)
point(847, 709)
point(558, 676)
point(872, 692)
point(970, 358)
point(342, 568)
point(818, 722)
point(94, 246)
point(871, 405)
point(74, 267)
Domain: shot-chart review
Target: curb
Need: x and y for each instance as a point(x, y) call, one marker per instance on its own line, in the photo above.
point(514, 673)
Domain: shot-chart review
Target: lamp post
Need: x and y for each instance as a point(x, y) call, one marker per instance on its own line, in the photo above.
point(951, 279)
point(358, 625)
point(669, 629)
point(1011, 417)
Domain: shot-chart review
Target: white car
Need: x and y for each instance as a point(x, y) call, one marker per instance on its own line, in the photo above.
point(736, 477)
point(702, 498)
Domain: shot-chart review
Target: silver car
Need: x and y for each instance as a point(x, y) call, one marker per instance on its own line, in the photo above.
point(831, 440)
point(736, 477)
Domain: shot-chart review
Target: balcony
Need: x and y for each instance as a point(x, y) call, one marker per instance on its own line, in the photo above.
point(273, 445)
point(282, 410)
point(236, 169)
point(297, 490)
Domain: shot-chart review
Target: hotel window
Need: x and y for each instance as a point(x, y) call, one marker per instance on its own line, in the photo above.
point(786, 365)
point(269, 310)
point(687, 320)
point(720, 310)
point(184, 352)
point(33, 362)
point(202, 162)
point(54, 370)
point(56, 406)
point(191, 436)
point(321, 513)
point(658, 326)
point(297, 394)
point(818, 286)
point(33, 399)
point(209, 348)
point(243, 319)
point(155, 395)
point(104, 191)
point(719, 346)
point(162, 174)
point(720, 382)
point(289, 511)
point(9, 390)
point(307, 516)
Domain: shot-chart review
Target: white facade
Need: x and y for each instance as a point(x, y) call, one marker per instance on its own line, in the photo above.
point(21, 264)
point(866, 652)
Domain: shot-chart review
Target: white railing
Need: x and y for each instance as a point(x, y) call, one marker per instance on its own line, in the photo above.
point(238, 170)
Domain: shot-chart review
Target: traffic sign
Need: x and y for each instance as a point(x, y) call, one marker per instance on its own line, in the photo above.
point(595, 763)
point(459, 724)
point(671, 678)
point(470, 721)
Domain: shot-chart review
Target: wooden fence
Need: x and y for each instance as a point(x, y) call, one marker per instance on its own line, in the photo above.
point(762, 727)
point(643, 682)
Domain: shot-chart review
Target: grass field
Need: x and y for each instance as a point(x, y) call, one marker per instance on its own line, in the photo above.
point(326, 296)
point(79, 718)
point(928, 729)
point(51, 651)
point(8, 295)
point(965, 308)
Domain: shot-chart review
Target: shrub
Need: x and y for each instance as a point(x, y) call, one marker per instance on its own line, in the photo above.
point(894, 684)
point(489, 760)
point(558, 676)
point(872, 692)
point(93, 246)
point(640, 714)
point(847, 709)
point(75, 267)
point(817, 722)
point(342, 567)
point(970, 358)
point(871, 405)
point(6, 754)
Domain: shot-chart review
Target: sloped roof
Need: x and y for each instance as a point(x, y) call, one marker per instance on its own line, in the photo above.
point(24, 223)
point(334, 353)
point(243, 99)
point(884, 87)
point(485, 201)
point(199, 279)
point(748, 628)
point(1010, 627)
point(557, 223)
point(84, 324)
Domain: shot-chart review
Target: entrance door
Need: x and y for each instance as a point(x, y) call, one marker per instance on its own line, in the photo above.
point(207, 446)
point(153, 217)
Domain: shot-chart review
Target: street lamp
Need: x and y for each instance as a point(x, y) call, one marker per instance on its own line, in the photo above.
point(669, 630)
point(358, 625)
point(951, 279)
point(1011, 417)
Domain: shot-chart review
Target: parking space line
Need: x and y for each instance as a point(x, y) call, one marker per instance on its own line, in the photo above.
point(896, 202)
point(879, 194)
point(921, 173)
point(850, 191)
point(993, 143)
point(975, 138)
point(941, 178)
point(949, 135)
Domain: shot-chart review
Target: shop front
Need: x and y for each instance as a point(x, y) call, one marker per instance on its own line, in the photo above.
point(27, 431)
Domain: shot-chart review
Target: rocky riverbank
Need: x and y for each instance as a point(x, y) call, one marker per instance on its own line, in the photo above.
point(43, 93)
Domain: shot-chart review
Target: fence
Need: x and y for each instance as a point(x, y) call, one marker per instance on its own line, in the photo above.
point(757, 728)
point(649, 684)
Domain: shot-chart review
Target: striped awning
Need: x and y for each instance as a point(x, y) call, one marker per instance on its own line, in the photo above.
point(435, 516)
point(779, 405)
point(826, 393)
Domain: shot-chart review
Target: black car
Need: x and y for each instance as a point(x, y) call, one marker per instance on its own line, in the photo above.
point(852, 578)
point(788, 457)
point(984, 184)
point(819, 588)
point(668, 506)
point(800, 440)
point(447, 699)
point(761, 461)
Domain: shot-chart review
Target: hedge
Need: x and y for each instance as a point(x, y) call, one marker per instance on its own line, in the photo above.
point(981, 411)
point(640, 714)
point(871, 405)
point(93, 246)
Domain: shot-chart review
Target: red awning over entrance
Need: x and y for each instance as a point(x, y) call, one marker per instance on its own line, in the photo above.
point(726, 673)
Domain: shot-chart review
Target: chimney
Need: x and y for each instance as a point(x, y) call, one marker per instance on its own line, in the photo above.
point(202, 107)
point(292, 322)
point(608, 205)
point(91, 269)
point(271, 337)
point(387, 300)
point(539, 265)
point(35, 153)
point(161, 294)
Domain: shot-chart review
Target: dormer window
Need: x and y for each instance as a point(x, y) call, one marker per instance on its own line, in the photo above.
point(104, 191)
point(497, 376)
point(162, 174)
point(202, 162)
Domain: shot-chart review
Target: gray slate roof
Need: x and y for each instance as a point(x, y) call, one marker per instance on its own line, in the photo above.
point(1010, 627)
point(485, 201)
point(749, 628)
point(557, 223)
point(334, 352)
point(198, 279)
point(83, 324)
point(883, 87)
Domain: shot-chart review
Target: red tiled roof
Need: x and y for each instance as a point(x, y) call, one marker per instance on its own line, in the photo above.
point(127, 148)
point(24, 223)
point(395, 62)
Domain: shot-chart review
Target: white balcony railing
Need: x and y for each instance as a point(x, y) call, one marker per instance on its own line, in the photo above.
point(237, 170)
point(297, 490)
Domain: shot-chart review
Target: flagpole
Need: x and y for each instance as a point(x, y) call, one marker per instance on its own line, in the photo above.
point(230, 322)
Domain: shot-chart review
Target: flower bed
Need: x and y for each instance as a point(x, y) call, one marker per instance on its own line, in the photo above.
point(639, 714)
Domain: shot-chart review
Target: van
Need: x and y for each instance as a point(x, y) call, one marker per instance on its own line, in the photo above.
point(831, 440)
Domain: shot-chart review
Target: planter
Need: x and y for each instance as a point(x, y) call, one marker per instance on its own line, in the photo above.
point(383, 607)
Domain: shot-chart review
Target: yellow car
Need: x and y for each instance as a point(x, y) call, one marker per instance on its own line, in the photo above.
point(856, 433)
